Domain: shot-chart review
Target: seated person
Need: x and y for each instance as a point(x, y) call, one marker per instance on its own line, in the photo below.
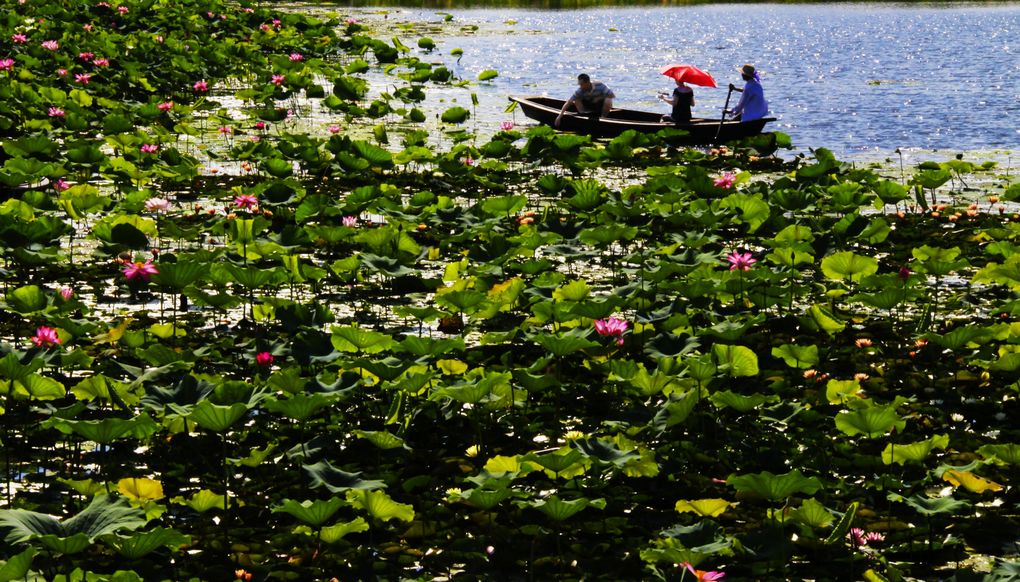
point(682, 101)
point(591, 97)
point(752, 103)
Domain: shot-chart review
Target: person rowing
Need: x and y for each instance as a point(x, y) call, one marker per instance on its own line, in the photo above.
point(592, 98)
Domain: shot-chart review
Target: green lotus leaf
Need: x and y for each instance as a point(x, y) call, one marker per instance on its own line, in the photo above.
point(217, 418)
point(559, 510)
point(324, 474)
point(107, 430)
point(334, 533)
point(605, 451)
point(558, 462)
point(931, 178)
point(929, 506)
point(1008, 453)
point(485, 499)
point(840, 391)
point(813, 514)
point(359, 340)
point(373, 154)
point(383, 439)
point(461, 301)
point(104, 515)
point(753, 210)
point(141, 544)
point(312, 512)
point(65, 545)
point(277, 167)
point(487, 75)
point(202, 501)
point(298, 406)
point(823, 318)
point(704, 507)
point(872, 422)
point(890, 192)
point(17, 567)
point(914, 452)
point(504, 205)
point(797, 356)
point(775, 487)
point(885, 299)
point(378, 505)
point(736, 361)
point(675, 410)
point(963, 337)
point(849, 265)
point(563, 345)
point(455, 114)
point(350, 88)
point(576, 290)
point(27, 299)
point(31, 146)
point(838, 533)
point(738, 402)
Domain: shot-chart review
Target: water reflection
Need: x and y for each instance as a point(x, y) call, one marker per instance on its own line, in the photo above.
point(851, 77)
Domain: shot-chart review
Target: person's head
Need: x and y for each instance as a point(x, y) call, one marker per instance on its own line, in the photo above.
point(747, 72)
point(584, 81)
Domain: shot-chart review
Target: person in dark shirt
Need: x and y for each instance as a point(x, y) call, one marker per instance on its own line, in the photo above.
point(591, 97)
point(682, 100)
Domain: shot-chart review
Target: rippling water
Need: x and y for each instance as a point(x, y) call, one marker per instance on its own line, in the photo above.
point(856, 78)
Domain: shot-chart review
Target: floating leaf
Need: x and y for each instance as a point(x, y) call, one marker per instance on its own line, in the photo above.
point(970, 481)
point(1008, 453)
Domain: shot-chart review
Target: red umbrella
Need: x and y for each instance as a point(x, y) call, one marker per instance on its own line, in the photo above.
point(688, 74)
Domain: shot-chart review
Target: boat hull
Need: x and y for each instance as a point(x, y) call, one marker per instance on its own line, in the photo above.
point(699, 132)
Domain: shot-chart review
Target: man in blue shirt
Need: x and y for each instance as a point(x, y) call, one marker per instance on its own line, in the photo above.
point(591, 97)
point(752, 103)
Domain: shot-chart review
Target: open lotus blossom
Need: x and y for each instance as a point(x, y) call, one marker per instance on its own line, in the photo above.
point(61, 185)
point(123, 9)
point(469, 161)
point(56, 112)
point(224, 130)
point(703, 574)
point(19, 38)
point(86, 56)
point(862, 538)
point(165, 106)
point(101, 62)
point(863, 342)
point(50, 45)
point(295, 57)
point(139, 270)
point(61, 72)
point(6, 64)
point(45, 337)
point(87, 27)
point(612, 327)
point(83, 78)
point(740, 261)
point(334, 129)
point(278, 80)
point(149, 148)
point(277, 22)
point(726, 180)
point(351, 21)
point(246, 201)
point(157, 204)
point(200, 86)
point(350, 221)
point(264, 359)
point(506, 125)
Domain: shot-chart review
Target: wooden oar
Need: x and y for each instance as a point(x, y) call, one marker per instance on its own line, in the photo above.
point(725, 107)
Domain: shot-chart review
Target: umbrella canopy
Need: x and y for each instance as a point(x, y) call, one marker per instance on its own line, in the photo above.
point(688, 74)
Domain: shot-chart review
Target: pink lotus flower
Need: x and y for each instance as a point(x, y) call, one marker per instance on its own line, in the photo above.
point(249, 10)
point(904, 273)
point(861, 538)
point(349, 221)
point(61, 185)
point(334, 129)
point(279, 79)
point(45, 337)
point(469, 161)
point(165, 106)
point(19, 38)
point(61, 72)
point(139, 270)
point(264, 359)
point(703, 574)
point(224, 130)
point(103, 4)
point(56, 112)
point(83, 78)
point(741, 261)
point(506, 125)
point(87, 27)
point(157, 204)
point(726, 180)
point(264, 27)
point(149, 148)
point(201, 86)
point(67, 293)
point(612, 327)
point(159, 39)
point(295, 57)
point(277, 22)
point(6, 64)
point(260, 125)
point(351, 21)
point(86, 56)
point(50, 45)
point(101, 62)
point(123, 9)
point(246, 201)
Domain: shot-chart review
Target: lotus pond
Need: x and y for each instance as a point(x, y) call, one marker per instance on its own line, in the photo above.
point(238, 343)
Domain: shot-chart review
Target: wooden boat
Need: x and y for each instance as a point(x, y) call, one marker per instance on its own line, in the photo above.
point(700, 131)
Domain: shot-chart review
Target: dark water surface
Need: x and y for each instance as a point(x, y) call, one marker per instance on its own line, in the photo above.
point(855, 78)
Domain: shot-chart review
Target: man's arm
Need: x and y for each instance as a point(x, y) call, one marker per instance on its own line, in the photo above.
point(566, 104)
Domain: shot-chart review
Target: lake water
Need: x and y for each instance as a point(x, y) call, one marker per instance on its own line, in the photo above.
point(860, 79)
